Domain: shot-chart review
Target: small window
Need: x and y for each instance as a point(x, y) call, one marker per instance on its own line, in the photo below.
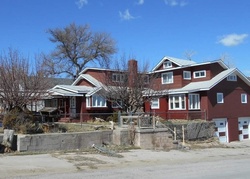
point(232, 77)
point(200, 74)
point(167, 64)
point(146, 79)
point(167, 78)
point(155, 103)
point(87, 102)
point(186, 75)
point(243, 98)
point(220, 98)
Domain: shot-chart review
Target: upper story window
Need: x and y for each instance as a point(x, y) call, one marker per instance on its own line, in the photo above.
point(167, 78)
point(98, 101)
point(232, 77)
point(200, 74)
point(186, 75)
point(220, 98)
point(243, 98)
point(117, 77)
point(167, 64)
point(177, 102)
point(146, 79)
point(155, 104)
point(194, 101)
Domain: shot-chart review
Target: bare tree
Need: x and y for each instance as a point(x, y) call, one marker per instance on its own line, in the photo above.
point(20, 82)
point(129, 87)
point(76, 46)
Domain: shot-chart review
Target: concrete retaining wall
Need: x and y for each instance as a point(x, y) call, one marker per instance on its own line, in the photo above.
point(154, 139)
point(62, 141)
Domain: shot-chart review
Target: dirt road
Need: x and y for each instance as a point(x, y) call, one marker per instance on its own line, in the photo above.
point(230, 162)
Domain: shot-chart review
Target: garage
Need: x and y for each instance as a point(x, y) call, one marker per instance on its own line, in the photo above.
point(221, 129)
point(243, 126)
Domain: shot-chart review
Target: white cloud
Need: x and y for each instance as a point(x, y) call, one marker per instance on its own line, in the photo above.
point(81, 3)
point(126, 15)
point(232, 39)
point(140, 2)
point(175, 3)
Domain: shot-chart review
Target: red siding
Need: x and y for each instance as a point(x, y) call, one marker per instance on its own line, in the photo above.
point(233, 134)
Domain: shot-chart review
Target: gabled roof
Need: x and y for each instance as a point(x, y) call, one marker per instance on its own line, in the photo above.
point(207, 85)
point(89, 78)
point(177, 61)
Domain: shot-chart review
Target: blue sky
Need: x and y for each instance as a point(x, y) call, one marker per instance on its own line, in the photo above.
point(146, 30)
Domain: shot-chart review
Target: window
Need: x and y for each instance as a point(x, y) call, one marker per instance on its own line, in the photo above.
point(155, 103)
point(177, 102)
point(200, 74)
point(220, 98)
point(167, 64)
point(232, 77)
point(186, 75)
point(194, 101)
point(117, 104)
point(243, 98)
point(98, 101)
point(117, 77)
point(87, 102)
point(167, 78)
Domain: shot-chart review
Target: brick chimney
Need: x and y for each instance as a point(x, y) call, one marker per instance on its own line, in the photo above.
point(132, 72)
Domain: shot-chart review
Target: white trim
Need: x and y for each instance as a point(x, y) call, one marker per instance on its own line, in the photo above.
point(180, 99)
point(188, 73)
point(194, 105)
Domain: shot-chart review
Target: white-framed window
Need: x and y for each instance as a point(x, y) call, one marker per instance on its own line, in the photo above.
point(243, 98)
point(117, 77)
point(186, 75)
point(117, 104)
point(98, 101)
point(167, 64)
point(155, 103)
point(194, 101)
point(167, 78)
point(200, 74)
point(177, 102)
point(232, 77)
point(88, 102)
point(220, 98)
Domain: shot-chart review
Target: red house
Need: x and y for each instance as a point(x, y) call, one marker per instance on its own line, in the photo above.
point(208, 90)
point(186, 90)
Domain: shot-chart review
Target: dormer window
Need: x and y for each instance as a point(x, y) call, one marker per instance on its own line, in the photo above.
point(117, 77)
point(232, 77)
point(200, 74)
point(167, 64)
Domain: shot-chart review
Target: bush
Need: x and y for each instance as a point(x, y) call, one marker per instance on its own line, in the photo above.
point(21, 122)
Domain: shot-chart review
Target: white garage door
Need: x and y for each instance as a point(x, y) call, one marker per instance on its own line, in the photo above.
point(221, 130)
point(243, 125)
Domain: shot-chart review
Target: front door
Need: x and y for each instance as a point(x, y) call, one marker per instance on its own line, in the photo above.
point(243, 125)
point(221, 129)
point(73, 106)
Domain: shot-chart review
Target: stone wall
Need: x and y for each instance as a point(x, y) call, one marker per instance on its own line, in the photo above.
point(62, 141)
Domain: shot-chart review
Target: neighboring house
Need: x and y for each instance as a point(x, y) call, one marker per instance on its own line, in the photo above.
point(186, 90)
point(38, 105)
point(212, 89)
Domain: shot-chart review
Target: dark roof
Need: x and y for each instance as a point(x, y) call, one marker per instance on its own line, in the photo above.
point(59, 81)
